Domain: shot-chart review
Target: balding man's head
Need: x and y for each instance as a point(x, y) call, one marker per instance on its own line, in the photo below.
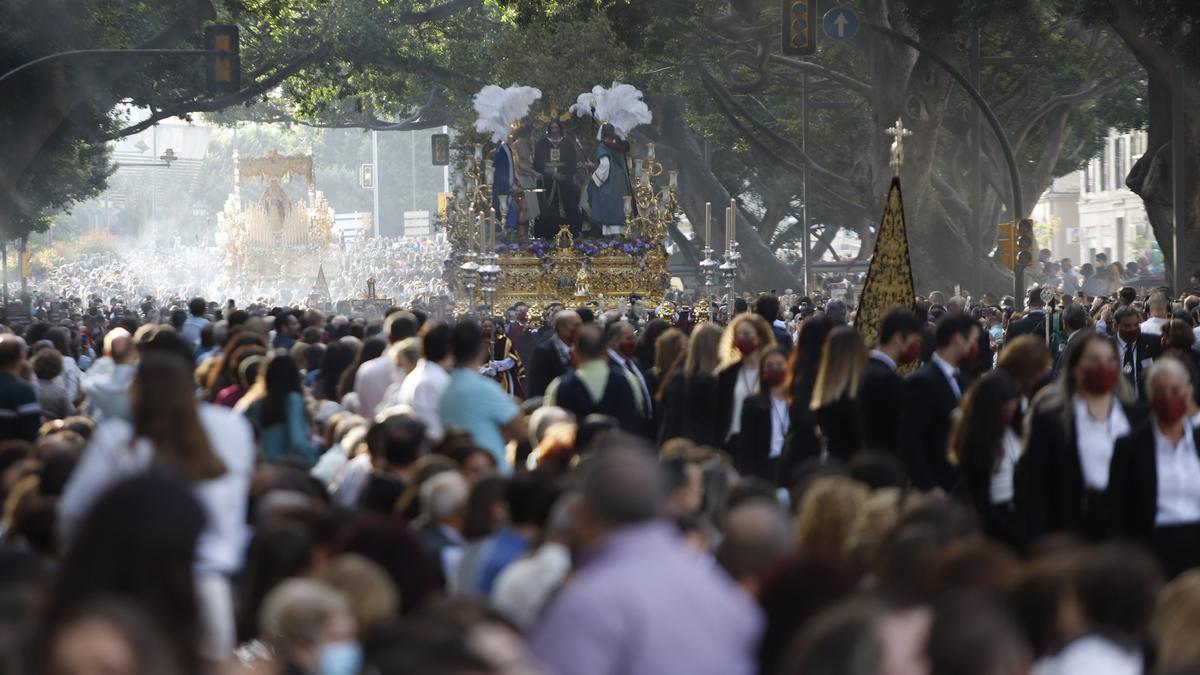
point(12, 353)
point(566, 325)
point(590, 345)
point(118, 344)
point(1158, 305)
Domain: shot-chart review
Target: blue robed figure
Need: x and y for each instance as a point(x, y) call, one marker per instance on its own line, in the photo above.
point(504, 178)
point(609, 184)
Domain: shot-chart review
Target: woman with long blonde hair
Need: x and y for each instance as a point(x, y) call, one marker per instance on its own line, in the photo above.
point(688, 397)
point(746, 339)
point(834, 401)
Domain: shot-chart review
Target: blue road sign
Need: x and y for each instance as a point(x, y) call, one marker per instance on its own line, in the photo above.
point(840, 23)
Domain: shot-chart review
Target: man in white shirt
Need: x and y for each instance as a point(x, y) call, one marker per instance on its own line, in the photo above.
point(1158, 306)
point(422, 388)
point(373, 378)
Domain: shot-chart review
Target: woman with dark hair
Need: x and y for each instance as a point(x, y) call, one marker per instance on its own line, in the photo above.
point(647, 344)
point(276, 553)
point(371, 349)
point(766, 420)
point(1177, 340)
point(209, 448)
point(276, 409)
point(224, 372)
point(138, 544)
point(834, 402)
point(985, 446)
point(1062, 476)
point(806, 361)
point(338, 357)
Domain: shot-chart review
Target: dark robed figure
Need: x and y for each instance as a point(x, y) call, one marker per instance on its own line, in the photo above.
point(555, 161)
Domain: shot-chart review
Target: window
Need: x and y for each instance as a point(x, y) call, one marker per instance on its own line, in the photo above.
point(1089, 174)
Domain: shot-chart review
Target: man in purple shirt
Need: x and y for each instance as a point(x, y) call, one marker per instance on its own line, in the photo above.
point(642, 603)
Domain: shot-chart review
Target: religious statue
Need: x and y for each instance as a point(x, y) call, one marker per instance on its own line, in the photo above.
point(619, 109)
point(500, 111)
point(609, 185)
point(555, 161)
point(527, 178)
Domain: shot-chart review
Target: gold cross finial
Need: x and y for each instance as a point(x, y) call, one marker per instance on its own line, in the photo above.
point(898, 134)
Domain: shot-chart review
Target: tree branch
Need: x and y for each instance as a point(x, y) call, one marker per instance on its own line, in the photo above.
point(440, 12)
point(211, 105)
point(854, 85)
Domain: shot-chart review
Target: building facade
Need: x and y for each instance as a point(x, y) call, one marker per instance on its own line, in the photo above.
point(1094, 211)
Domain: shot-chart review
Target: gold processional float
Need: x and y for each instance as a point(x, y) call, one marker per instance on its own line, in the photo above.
point(488, 276)
point(275, 238)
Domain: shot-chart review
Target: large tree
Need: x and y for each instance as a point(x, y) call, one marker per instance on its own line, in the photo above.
point(1164, 36)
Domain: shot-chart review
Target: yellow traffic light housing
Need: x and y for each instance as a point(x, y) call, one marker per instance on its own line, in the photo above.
point(1025, 244)
point(1006, 245)
point(224, 64)
point(799, 27)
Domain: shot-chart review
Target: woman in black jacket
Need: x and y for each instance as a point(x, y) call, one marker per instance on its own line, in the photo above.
point(688, 399)
point(746, 339)
point(1154, 489)
point(1063, 474)
point(766, 420)
point(834, 401)
point(985, 446)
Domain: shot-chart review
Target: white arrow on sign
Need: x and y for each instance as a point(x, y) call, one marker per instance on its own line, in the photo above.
point(840, 21)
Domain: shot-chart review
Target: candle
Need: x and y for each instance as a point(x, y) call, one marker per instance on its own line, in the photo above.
point(478, 151)
point(708, 224)
point(732, 220)
point(674, 178)
point(628, 205)
point(638, 168)
point(728, 229)
point(650, 151)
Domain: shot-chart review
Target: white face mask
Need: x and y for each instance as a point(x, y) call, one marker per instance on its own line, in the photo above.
point(340, 658)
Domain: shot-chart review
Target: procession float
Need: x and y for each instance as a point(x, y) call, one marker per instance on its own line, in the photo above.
point(521, 227)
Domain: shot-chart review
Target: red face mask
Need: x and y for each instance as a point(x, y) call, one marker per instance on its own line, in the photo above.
point(1168, 409)
point(970, 357)
point(774, 377)
point(746, 345)
point(627, 349)
point(1099, 379)
point(912, 353)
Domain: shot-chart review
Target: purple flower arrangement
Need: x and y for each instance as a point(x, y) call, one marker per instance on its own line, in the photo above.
point(588, 247)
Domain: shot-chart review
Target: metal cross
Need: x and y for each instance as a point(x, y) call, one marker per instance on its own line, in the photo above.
point(898, 134)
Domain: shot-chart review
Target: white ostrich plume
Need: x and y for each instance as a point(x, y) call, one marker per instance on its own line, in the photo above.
point(499, 108)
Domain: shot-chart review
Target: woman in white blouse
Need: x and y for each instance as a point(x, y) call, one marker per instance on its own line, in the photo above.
point(1062, 476)
point(209, 447)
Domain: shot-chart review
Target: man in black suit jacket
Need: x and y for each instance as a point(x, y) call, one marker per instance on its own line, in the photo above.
point(552, 358)
point(931, 395)
point(1136, 351)
point(1034, 321)
point(882, 388)
point(1074, 319)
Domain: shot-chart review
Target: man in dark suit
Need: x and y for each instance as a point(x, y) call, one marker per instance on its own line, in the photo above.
point(1074, 319)
point(882, 388)
point(1136, 351)
point(931, 395)
point(1034, 321)
point(553, 358)
point(622, 352)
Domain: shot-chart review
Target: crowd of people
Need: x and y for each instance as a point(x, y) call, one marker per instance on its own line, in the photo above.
point(405, 270)
point(983, 488)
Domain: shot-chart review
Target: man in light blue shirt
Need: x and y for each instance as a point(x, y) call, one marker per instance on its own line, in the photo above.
point(195, 323)
point(476, 404)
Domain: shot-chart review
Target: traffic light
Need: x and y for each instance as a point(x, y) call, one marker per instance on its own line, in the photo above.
point(440, 145)
point(1006, 245)
point(1024, 253)
point(224, 65)
point(366, 176)
point(799, 27)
